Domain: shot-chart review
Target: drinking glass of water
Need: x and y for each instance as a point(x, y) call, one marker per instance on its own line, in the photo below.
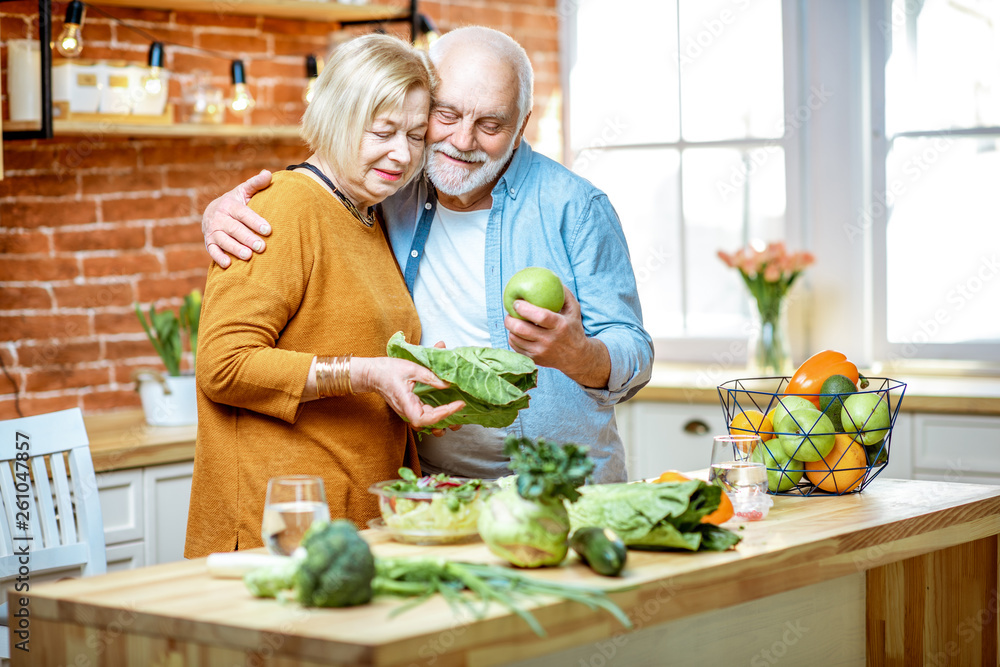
point(293, 502)
point(732, 467)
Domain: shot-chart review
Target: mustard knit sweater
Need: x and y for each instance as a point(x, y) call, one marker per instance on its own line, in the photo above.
point(327, 285)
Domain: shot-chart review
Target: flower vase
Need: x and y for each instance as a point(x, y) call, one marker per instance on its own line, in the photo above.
point(769, 351)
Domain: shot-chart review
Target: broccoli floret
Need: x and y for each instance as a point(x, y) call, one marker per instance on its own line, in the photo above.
point(338, 568)
point(334, 568)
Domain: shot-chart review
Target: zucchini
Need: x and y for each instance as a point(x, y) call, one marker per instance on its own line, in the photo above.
point(600, 548)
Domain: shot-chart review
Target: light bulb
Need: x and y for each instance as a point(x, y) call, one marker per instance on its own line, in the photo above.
point(153, 81)
point(242, 100)
point(70, 42)
point(312, 72)
point(426, 33)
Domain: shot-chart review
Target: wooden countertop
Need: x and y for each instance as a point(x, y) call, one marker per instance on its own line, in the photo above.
point(803, 541)
point(123, 439)
point(969, 395)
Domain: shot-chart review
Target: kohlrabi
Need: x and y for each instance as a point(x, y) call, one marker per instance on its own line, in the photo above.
point(528, 525)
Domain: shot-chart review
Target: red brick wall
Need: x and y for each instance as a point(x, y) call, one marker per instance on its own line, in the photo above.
point(90, 225)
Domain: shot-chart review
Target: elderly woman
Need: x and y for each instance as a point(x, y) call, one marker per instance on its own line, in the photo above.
point(292, 373)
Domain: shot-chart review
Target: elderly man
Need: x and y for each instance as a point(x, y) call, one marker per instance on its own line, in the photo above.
point(488, 207)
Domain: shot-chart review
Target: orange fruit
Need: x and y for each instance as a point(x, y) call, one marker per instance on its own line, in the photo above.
point(672, 476)
point(725, 510)
point(842, 469)
point(723, 514)
point(752, 422)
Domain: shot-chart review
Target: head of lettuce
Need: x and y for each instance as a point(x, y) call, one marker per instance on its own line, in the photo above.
point(493, 383)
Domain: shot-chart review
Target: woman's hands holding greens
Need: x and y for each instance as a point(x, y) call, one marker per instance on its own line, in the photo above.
point(393, 380)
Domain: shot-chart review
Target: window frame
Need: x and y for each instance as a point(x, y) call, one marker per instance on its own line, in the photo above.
point(723, 351)
point(970, 357)
point(835, 182)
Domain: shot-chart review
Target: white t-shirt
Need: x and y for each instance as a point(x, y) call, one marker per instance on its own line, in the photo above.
point(450, 295)
point(450, 289)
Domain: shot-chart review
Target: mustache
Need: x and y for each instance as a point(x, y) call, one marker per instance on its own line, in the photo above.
point(466, 156)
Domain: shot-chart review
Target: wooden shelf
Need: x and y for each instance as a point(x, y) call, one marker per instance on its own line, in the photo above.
point(288, 9)
point(62, 128)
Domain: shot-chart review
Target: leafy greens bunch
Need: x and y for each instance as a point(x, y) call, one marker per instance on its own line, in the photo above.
point(493, 383)
point(528, 525)
point(336, 568)
point(664, 516)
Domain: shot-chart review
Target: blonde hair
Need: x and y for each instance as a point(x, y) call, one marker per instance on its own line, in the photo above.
point(365, 77)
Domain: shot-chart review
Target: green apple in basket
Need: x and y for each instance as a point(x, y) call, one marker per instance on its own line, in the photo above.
point(783, 472)
point(805, 434)
point(787, 404)
point(867, 414)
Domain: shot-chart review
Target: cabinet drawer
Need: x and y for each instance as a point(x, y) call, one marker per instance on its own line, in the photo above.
point(121, 505)
point(953, 445)
point(667, 436)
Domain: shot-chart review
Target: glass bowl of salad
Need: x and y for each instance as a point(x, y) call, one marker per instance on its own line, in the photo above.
point(434, 509)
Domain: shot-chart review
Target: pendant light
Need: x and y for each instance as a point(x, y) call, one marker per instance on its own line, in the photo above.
point(70, 42)
point(312, 73)
point(241, 101)
point(153, 81)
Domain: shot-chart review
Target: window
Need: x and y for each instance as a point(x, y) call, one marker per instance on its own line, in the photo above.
point(942, 170)
point(866, 132)
point(677, 110)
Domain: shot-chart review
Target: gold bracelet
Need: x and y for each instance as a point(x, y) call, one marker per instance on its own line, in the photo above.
point(333, 376)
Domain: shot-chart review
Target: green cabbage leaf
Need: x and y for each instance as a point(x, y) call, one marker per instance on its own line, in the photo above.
point(662, 516)
point(493, 383)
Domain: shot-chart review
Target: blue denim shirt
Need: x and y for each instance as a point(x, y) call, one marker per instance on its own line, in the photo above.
point(545, 215)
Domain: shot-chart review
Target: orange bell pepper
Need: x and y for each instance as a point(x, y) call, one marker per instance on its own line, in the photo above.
point(809, 377)
point(721, 515)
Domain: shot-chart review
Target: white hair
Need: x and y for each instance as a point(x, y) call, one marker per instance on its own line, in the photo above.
point(502, 46)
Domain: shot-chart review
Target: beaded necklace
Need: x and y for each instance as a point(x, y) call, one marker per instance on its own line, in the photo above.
point(366, 220)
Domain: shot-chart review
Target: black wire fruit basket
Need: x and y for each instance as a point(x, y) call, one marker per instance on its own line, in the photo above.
point(831, 444)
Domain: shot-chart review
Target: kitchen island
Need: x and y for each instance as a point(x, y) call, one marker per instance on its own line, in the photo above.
point(903, 573)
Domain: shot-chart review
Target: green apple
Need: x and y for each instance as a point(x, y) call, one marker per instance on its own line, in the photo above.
point(867, 414)
point(782, 472)
point(785, 405)
point(536, 285)
point(806, 434)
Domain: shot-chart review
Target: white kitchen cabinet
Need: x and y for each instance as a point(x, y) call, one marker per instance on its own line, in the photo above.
point(957, 448)
point(145, 514)
point(168, 493)
point(662, 436)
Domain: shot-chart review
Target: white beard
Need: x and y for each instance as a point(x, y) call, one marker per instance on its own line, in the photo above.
point(456, 180)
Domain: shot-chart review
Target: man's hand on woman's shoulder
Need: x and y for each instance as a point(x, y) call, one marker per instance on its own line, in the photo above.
point(228, 224)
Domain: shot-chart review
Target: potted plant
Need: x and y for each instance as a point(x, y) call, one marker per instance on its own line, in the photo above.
point(169, 400)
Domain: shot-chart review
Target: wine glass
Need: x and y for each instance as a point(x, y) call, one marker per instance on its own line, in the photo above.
point(732, 467)
point(292, 504)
